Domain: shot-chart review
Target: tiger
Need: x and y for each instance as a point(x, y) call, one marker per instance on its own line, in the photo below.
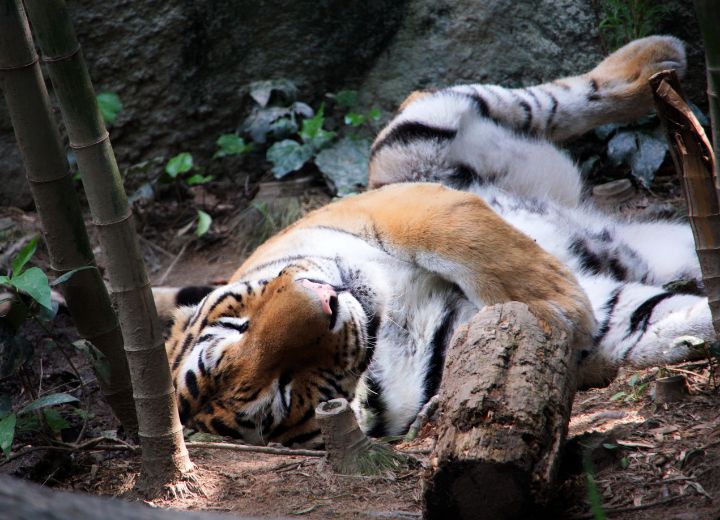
point(472, 203)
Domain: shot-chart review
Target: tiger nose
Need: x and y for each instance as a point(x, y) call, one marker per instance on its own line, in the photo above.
point(324, 291)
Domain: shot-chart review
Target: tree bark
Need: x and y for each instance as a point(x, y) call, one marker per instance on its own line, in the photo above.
point(694, 163)
point(505, 403)
point(165, 458)
point(58, 206)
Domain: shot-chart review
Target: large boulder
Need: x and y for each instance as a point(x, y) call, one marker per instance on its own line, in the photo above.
point(181, 67)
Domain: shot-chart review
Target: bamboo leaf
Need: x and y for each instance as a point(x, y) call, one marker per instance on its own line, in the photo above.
point(7, 433)
point(181, 163)
point(48, 400)
point(110, 106)
point(24, 256)
point(65, 277)
point(35, 284)
point(203, 223)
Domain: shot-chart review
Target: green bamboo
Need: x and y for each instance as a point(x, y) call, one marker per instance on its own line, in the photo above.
point(164, 456)
point(58, 206)
point(708, 15)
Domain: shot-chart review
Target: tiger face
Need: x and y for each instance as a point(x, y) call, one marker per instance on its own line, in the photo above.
point(253, 359)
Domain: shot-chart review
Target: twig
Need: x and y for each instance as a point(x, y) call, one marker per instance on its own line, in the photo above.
point(156, 247)
point(625, 509)
point(256, 449)
point(422, 417)
point(688, 372)
point(173, 263)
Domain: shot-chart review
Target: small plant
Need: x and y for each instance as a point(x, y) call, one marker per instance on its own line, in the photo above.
point(182, 168)
point(231, 144)
point(30, 292)
point(110, 106)
point(637, 390)
point(626, 20)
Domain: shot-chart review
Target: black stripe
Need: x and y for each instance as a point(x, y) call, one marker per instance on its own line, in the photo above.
point(462, 177)
point(285, 379)
point(243, 327)
point(438, 345)
point(244, 423)
point(641, 317)
point(201, 364)
point(376, 404)
point(223, 429)
point(292, 258)
point(609, 307)
point(191, 383)
point(588, 260)
point(528, 116)
point(371, 330)
point(186, 343)
point(267, 424)
point(248, 399)
point(593, 95)
point(192, 295)
point(407, 132)
point(184, 409)
point(282, 428)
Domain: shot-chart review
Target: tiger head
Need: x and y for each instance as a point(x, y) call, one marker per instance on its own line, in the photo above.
point(253, 359)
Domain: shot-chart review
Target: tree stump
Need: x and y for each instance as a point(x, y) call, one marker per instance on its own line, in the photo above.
point(505, 403)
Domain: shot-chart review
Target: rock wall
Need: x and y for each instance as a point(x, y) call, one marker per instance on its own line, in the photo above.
point(181, 66)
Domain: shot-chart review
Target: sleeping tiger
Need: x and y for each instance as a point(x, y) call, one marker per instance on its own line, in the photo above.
point(360, 298)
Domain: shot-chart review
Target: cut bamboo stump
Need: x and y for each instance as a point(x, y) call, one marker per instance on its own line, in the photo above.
point(505, 403)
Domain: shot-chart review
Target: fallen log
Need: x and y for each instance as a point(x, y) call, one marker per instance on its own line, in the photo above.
point(505, 403)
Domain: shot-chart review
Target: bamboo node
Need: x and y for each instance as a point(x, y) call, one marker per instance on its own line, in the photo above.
point(100, 140)
point(23, 66)
point(53, 59)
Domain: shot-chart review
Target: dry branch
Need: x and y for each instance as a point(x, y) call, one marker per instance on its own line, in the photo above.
point(505, 404)
point(694, 163)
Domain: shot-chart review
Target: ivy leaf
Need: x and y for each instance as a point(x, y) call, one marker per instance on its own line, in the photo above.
point(345, 165)
point(198, 179)
point(110, 106)
point(48, 400)
point(354, 119)
point(231, 144)
point(260, 121)
point(312, 132)
point(4, 280)
point(288, 156)
point(261, 91)
point(283, 128)
point(648, 158)
point(7, 433)
point(203, 223)
point(375, 114)
point(181, 163)
point(34, 283)
point(24, 256)
point(621, 147)
point(65, 277)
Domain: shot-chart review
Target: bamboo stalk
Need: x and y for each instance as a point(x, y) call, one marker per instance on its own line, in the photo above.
point(58, 206)
point(708, 15)
point(165, 458)
point(694, 163)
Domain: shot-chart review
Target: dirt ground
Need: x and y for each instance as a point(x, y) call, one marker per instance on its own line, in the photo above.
point(647, 460)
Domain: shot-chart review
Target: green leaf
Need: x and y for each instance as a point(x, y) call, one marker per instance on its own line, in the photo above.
point(231, 144)
point(98, 361)
point(618, 396)
point(347, 98)
point(24, 256)
point(34, 283)
point(634, 379)
point(48, 400)
point(609, 446)
point(203, 224)
point(198, 179)
point(7, 433)
point(4, 280)
point(5, 405)
point(288, 156)
point(261, 91)
point(345, 165)
point(375, 114)
point(54, 420)
point(354, 119)
point(624, 463)
point(181, 163)
point(66, 276)
point(110, 106)
point(312, 132)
